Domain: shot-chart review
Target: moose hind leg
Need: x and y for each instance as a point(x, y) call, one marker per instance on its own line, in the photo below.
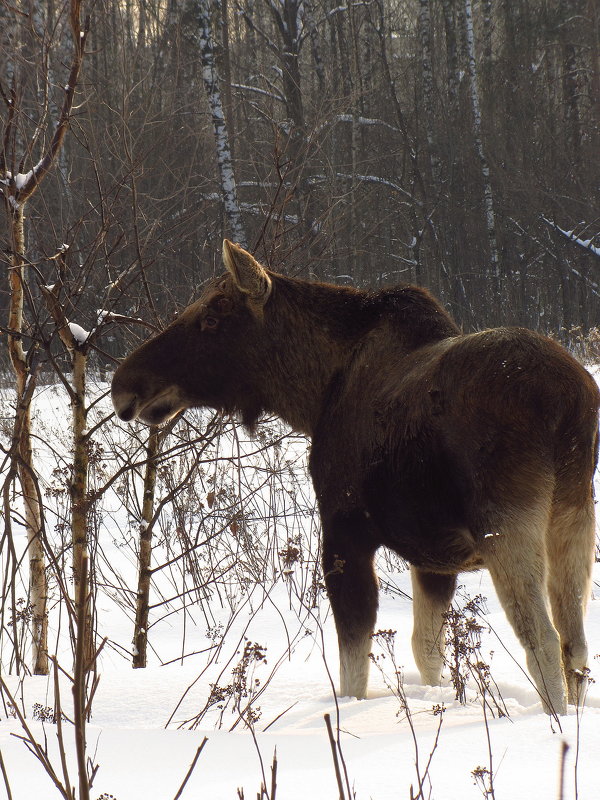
point(571, 542)
point(515, 557)
point(352, 587)
point(432, 595)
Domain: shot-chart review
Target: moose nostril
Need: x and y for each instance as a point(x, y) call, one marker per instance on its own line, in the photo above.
point(125, 405)
point(127, 414)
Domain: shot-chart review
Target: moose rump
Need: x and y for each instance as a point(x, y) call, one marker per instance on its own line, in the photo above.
point(456, 451)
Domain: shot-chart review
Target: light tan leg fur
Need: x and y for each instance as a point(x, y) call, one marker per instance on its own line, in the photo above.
point(570, 548)
point(432, 595)
point(516, 558)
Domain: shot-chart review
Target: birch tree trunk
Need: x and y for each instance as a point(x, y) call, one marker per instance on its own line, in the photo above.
point(140, 635)
point(488, 195)
point(17, 190)
point(215, 101)
point(79, 482)
point(25, 383)
point(226, 60)
point(79, 477)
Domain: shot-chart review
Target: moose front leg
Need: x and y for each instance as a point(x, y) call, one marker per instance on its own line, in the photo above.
point(352, 586)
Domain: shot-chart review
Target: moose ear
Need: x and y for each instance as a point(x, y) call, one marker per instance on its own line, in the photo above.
point(249, 276)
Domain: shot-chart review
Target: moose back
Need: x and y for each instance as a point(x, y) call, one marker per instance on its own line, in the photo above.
point(456, 451)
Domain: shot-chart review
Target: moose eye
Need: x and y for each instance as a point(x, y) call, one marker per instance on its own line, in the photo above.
point(210, 323)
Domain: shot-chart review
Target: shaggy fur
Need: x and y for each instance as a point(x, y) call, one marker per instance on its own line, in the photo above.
point(455, 451)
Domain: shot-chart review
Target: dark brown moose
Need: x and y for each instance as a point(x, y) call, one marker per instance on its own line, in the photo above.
point(456, 451)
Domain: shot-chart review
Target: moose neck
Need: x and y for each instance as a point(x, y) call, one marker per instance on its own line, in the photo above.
point(316, 329)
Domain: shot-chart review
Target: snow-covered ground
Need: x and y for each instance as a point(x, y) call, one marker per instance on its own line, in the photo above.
point(143, 738)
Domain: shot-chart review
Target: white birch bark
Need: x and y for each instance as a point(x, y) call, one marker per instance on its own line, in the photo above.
point(215, 102)
point(25, 381)
point(17, 190)
point(488, 196)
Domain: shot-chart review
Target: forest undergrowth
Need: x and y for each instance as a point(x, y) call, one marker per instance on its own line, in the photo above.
point(233, 527)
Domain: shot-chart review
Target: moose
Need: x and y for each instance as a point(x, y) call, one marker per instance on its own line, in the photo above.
point(457, 451)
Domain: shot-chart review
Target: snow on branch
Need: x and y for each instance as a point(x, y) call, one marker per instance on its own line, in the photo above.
point(79, 334)
point(257, 90)
point(366, 121)
point(107, 317)
point(71, 334)
point(344, 8)
point(570, 235)
point(369, 179)
point(23, 185)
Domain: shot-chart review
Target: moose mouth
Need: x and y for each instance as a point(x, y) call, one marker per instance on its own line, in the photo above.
point(156, 412)
point(153, 412)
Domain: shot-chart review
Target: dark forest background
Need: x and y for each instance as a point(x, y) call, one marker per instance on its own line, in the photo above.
point(449, 143)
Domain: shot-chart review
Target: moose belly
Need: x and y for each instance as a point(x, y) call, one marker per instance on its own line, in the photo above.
point(443, 550)
point(421, 516)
